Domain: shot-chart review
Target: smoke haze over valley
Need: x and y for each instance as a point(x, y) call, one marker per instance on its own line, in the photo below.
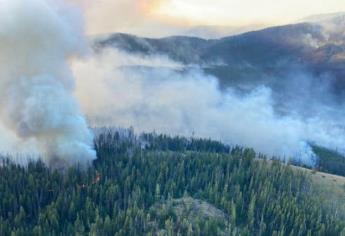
point(278, 90)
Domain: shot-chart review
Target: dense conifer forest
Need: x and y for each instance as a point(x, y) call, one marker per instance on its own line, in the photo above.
point(161, 185)
point(330, 161)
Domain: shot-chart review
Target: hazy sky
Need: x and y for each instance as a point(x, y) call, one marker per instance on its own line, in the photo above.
point(156, 17)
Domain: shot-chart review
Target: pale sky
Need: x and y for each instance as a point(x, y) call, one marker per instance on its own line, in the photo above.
point(158, 17)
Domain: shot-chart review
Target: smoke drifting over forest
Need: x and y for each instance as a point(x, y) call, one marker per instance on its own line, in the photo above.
point(153, 93)
point(38, 112)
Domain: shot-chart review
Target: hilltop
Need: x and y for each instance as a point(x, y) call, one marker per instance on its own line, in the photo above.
point(137, 190)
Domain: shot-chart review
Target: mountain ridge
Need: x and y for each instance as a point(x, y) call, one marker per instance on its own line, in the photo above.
point(273, 52)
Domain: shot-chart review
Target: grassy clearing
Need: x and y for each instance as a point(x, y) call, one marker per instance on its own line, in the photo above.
point(330, 187)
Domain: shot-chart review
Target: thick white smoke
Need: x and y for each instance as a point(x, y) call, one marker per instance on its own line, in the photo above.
point(37, 107)
point(127, 93)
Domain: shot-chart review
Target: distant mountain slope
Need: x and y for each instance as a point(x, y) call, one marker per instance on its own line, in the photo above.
point(180, 48)
point(265, 47)
point(291, 42)
point(271, 57)
point(215, 32)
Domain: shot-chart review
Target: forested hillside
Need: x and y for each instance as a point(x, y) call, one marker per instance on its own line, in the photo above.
point(330, 161)
point(158, 185)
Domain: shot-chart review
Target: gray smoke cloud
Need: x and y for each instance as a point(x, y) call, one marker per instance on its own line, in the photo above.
point(38, 112)
point(156, 94)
